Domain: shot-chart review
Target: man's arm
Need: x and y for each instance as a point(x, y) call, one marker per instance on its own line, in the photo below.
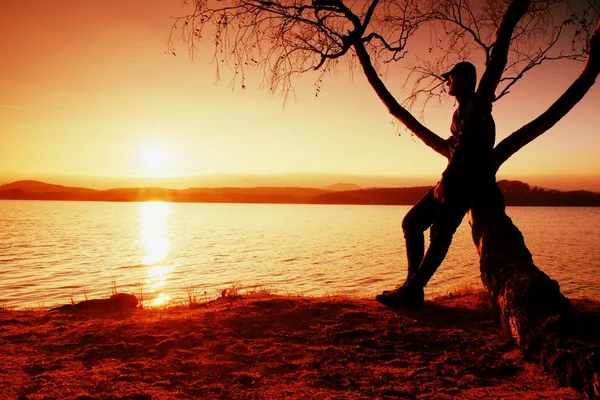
point(472, 144)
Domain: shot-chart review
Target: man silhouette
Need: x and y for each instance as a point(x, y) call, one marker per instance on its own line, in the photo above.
point(469, 174)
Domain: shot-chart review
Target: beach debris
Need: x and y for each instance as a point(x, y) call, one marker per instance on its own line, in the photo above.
point(118, 302)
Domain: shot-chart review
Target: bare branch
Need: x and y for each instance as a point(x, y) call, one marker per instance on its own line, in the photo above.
point(388, 46)
point(428, 137)
point(499, 54)
point(369, 15)
point(558, 109)
point(463, 30)
point(471, 27)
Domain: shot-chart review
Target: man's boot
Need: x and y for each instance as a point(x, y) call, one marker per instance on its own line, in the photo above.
point(409, 295)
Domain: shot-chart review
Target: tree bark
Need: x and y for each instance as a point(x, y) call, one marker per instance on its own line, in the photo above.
point(530, 305)
point(533, 311)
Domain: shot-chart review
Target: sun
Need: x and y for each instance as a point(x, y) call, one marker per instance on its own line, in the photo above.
point(155, 158)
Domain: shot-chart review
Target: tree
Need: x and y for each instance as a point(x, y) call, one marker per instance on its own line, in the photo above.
point(285, 38)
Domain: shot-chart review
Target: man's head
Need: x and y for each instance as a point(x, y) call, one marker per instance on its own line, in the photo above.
point(461, 79)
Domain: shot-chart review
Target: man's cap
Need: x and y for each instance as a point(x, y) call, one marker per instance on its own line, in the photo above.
point(463, 68)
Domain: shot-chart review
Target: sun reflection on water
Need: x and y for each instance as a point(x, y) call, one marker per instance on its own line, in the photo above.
point(155, 244)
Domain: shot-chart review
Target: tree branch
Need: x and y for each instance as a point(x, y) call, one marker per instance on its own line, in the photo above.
point(389, 47)
point(559, 109)
point(428, 137)
point(456, 19)
point(340, 6)
point(499, 54)
point(369, 15)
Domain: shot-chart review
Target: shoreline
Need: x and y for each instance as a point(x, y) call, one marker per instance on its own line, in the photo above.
point(534, 205)
point(515, 193)
point(271, 346)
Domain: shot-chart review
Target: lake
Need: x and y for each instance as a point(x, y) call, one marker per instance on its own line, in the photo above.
point(51, 252)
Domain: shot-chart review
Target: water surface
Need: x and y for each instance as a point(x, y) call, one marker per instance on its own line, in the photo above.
point(51, 251)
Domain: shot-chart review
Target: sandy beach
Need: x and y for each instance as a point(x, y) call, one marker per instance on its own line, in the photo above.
point(267, 346)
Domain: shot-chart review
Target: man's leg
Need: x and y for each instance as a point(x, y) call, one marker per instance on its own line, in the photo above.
point(411, 293)
point(416, 221)
point(449, 218)
point(414, 224)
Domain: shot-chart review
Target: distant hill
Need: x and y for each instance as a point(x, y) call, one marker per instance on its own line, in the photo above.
point(35, 190)
point(218, 180)
point(516, 193)
point(41, 187)
point(374, 196)
point(343, 186)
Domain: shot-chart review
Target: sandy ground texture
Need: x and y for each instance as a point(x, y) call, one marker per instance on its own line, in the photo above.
point(269, 347)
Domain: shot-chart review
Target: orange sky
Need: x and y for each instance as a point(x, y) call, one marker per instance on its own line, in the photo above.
point(87, 89)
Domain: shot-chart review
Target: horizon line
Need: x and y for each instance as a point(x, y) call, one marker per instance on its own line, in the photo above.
point(358, 187)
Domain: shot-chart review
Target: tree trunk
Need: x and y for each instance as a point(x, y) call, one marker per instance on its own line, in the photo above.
point(531, 307)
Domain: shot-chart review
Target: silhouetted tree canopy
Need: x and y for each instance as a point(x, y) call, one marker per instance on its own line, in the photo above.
point(286, 38)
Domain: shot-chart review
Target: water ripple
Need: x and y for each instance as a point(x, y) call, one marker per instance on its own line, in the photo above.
point(58, 247)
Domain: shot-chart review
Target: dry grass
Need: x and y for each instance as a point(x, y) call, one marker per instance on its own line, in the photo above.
point(196, 297)
point(4, 306)
point(139, 294)
point(232, 290)
point(466, 288)
point(260, 290)
point(237, 289)
point(591, 299)
point(252, 344)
